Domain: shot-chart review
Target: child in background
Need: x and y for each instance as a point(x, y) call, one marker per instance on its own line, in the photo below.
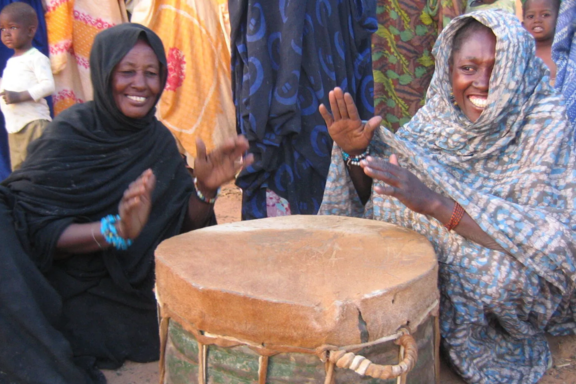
point(26, 80)
point(540, 20)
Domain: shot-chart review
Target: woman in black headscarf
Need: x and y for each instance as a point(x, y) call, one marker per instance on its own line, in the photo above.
point(99, 190)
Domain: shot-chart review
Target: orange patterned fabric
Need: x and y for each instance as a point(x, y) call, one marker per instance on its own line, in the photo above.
point(59, 27)
point(72, 26)
point(197, 101)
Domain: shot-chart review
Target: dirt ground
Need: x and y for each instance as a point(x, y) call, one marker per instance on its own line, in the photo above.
point(228, 210)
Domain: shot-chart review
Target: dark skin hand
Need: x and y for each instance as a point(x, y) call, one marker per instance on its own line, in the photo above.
point(134, 209)
point(345, 124)
point(353, 136)
point(212, 170)
point(11, 97)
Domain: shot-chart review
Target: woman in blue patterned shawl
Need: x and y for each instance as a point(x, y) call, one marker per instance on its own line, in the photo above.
point(507, 269)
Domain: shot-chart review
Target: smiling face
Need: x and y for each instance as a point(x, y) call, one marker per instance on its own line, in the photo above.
point(540, 19)
point(15, 33)
point(136, 81)
point(470, 72)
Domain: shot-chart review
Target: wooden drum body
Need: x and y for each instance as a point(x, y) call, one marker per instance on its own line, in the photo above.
point(298, 299)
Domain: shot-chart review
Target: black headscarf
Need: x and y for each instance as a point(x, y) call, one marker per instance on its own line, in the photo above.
point(110, 46)
point(78, 170)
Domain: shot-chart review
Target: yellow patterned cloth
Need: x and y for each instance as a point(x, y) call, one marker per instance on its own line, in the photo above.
point(197, 100)
point(72, 26)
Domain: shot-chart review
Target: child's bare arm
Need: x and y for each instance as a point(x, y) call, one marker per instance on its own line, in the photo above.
point(11, 97)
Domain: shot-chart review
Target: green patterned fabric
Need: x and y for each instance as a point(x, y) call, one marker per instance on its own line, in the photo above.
point(402, 62)
point(476, 5)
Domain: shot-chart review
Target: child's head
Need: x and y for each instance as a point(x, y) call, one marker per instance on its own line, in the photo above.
point(540, 18)
point(18, 24)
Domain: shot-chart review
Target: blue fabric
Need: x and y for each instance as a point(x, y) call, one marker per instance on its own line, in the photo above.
point(286, 57)
point(564, 55)
point(514, 172)
point(4, 152)
point(40, 42)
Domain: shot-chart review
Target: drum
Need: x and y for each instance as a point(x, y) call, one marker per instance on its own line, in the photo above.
point(298, 299)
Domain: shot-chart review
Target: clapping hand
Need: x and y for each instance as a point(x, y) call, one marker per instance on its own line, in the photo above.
point(400, 183)
point(135, 206)
point(344, 124)
point(221, 165)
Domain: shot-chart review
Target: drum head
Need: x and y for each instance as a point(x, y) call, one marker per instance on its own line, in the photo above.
point(298, 280)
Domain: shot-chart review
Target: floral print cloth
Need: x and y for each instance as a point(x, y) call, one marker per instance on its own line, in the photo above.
point(401, 54)
point(197, 101)
point(514, 173)
point(72, 26)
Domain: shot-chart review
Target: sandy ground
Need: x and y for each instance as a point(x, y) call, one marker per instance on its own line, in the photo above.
point(228, 210)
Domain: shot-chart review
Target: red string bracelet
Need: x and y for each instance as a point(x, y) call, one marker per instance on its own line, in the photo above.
point(457, 215)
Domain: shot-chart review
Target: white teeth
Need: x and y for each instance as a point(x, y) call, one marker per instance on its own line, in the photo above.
point(137, 98)
point(479, 102)
point(538, 29)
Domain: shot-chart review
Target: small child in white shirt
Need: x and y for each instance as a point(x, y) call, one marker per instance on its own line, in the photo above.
point(26, 80)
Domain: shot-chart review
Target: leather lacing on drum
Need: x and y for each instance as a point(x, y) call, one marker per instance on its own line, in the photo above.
point(332, 356)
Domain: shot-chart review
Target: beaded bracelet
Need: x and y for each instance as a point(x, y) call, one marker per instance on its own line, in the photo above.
point(457, 215)
point(201, 196)
point(355, 160)
point(110, 233)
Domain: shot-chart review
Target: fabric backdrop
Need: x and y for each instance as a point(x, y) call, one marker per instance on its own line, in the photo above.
point(197, 101)
point(72, 26)
point(402, 60)
point(286, 57)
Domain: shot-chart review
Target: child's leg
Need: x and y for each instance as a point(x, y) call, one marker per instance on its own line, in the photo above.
point(20, 140)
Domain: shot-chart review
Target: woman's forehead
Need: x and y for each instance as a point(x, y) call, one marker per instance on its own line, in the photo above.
point(481, 42)
point(142, 53)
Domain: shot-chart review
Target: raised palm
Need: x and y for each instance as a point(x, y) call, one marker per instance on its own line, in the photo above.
point(344, 124)
point(221, 165)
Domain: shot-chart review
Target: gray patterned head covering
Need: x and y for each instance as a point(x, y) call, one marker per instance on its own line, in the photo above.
point(517, 84)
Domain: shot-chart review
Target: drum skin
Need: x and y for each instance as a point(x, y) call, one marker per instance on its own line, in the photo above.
point(295, 282)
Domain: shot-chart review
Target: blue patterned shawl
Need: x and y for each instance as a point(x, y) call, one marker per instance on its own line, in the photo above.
point(512, 170)
point(564, 55)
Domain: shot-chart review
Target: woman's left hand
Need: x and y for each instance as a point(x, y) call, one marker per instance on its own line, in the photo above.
point(401, 184)
point(221, 165)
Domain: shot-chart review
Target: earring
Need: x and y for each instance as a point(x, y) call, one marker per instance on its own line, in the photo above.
point(453, 99)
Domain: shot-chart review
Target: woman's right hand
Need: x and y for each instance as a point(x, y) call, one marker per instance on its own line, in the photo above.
point(344, 124)
point(135, 206)
point(134, 209)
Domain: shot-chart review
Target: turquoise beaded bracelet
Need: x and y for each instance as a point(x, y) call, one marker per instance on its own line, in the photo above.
point(355, 160)
point(108, 230)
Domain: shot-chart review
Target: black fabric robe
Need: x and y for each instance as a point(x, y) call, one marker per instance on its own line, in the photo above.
point(102, 303)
